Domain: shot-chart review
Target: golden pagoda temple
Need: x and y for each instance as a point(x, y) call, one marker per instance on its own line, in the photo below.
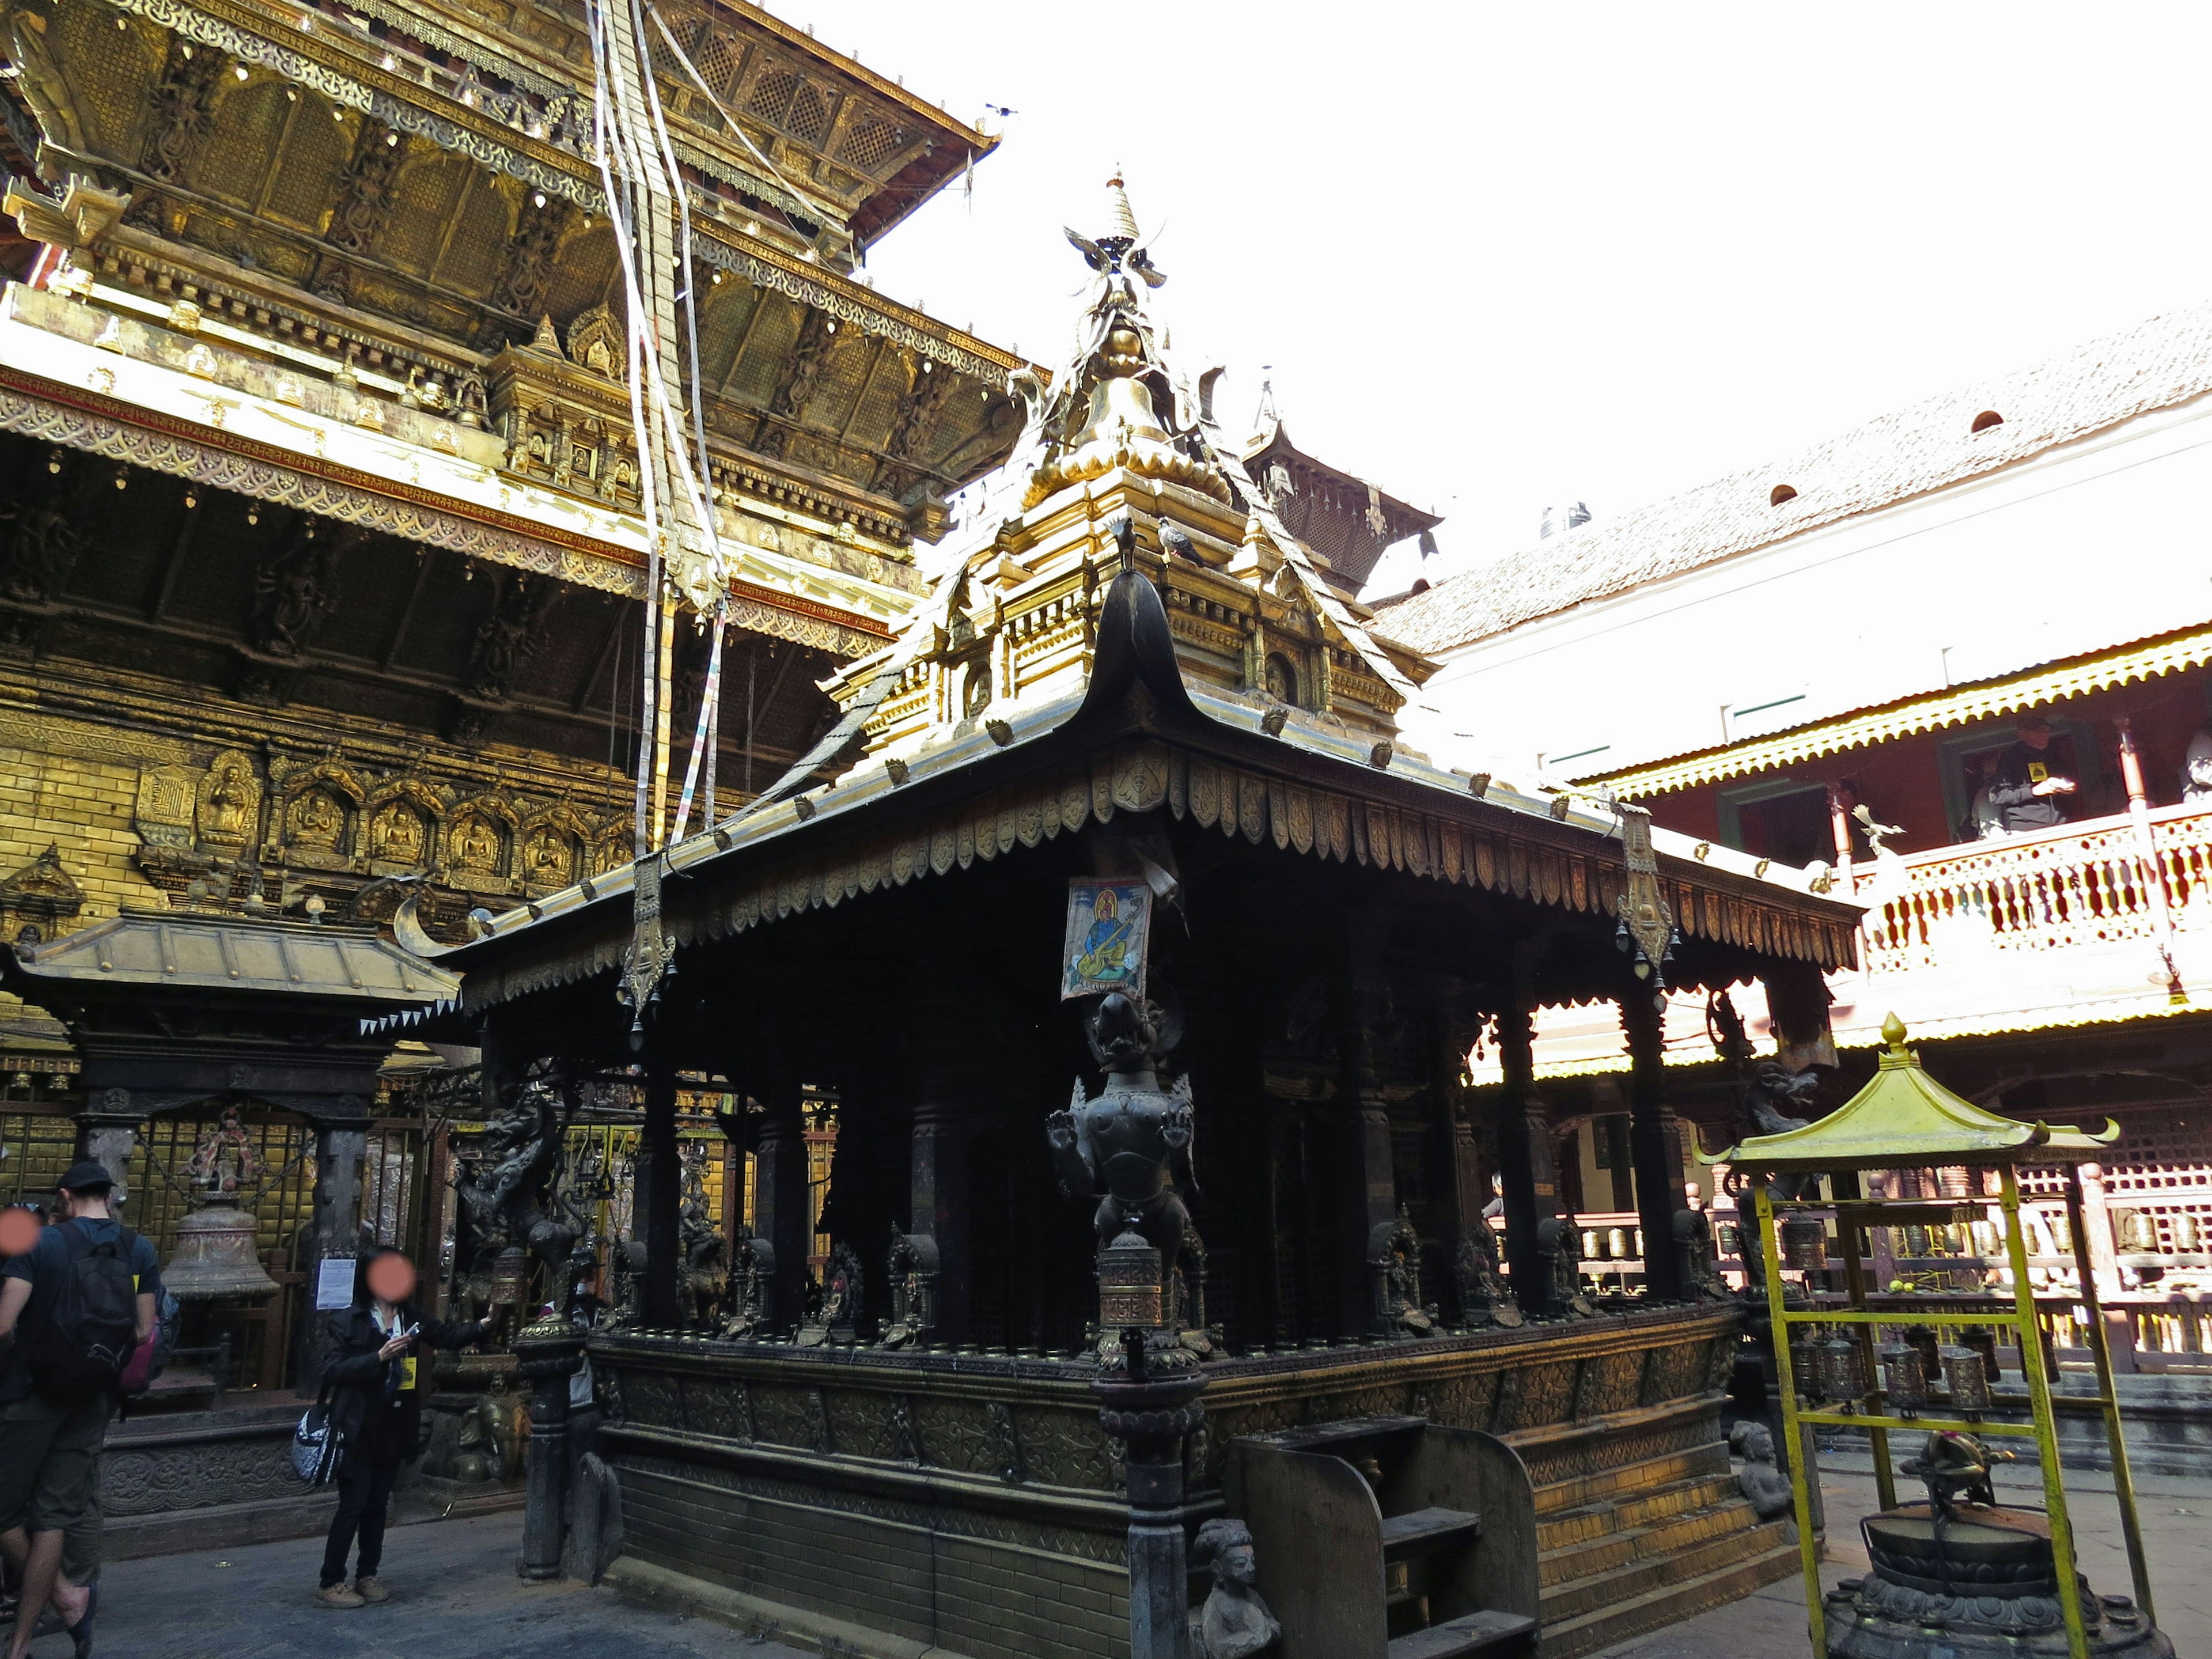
point(1130, 675)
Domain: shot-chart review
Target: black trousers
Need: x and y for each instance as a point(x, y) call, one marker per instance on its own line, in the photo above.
point(364, 1495)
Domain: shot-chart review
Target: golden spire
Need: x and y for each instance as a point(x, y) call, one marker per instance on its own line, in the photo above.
point(1120, 221)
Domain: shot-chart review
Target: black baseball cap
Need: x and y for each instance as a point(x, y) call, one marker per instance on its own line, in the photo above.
point(90, 1176)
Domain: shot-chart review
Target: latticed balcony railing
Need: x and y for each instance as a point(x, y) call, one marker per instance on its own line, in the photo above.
point(2086, 884)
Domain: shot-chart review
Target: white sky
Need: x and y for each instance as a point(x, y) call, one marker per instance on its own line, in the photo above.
point(1499, 254)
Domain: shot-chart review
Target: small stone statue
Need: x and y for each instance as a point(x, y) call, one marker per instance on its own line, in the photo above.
point(1559, 1242)
point(1759, 1479)
point(1483, 1297)
point(1695, 1258)
point(1235, 1623)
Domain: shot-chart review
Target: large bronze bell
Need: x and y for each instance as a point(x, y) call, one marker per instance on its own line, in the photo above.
point(216, 1256)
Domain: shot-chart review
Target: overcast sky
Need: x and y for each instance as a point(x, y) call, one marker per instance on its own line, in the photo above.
point(1502, 254)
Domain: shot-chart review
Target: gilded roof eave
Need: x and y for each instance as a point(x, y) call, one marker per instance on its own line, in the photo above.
point(129, 407)
point(975, 793)
point(1930, 711)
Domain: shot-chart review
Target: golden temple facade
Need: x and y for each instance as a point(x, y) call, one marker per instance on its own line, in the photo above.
point(323, 578)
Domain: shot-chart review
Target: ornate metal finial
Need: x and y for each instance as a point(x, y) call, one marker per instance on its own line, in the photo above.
point(1122, 247)
point(1121, 221)
point(1893, 1032)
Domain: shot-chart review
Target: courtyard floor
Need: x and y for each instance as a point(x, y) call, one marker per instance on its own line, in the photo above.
point(455, 1595)
point(1769, 1623)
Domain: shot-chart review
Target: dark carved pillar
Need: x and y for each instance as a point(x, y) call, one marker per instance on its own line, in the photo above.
point(938, 1177)
point(1526, 1164)
point(657, 1197)
point(333, 1230)
point(1470, 1191)
point(547, 1354)
point(780, 1200)
point(1654, 1144)
point(1153, 1417)
point(1370, 1189)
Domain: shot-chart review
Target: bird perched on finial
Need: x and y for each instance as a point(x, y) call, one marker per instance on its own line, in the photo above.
point(1877, 835)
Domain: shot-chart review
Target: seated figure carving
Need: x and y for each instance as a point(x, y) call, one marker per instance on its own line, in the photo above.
point(1234, 1622)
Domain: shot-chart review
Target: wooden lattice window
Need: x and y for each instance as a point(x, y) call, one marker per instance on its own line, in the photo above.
point(870, 142)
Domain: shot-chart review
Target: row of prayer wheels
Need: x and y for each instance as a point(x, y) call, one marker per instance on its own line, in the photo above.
point(1835, 1368)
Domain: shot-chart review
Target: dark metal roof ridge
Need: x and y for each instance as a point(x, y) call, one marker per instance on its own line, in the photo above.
point(1135, 647)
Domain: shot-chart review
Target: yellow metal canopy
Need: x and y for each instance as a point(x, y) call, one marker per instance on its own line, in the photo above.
point(1903, 1119)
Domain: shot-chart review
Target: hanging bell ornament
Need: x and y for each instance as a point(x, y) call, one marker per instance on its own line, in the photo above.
point(1843, 1374)
point(1804, 1244)
point(1903, 1377)
point(1963, 1374)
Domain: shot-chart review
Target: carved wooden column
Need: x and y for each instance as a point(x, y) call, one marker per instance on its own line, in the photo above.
point(1371, 1181)
point(1470, 1192)
point(1654, 1144)
point(780, 1200)
point(657, 1197)
point(1526, 1165)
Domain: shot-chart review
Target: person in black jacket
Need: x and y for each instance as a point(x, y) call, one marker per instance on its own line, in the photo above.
point(2027, 789)
point(370, 1354)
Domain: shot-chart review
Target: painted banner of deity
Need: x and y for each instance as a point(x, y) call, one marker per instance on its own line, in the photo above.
point(1108, 926)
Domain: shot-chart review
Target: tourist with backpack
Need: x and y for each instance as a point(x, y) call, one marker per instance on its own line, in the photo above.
point(75, 1306)
point(374, 1382)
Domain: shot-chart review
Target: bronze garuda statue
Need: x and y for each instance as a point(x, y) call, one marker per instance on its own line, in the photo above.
point(1132, 1139)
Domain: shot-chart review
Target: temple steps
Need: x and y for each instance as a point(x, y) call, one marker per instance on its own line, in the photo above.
point(1568, 1528)
point(1630, 1549)
point(1579, 1562)
point(1580, 1492)
point(1763, 1556)
point(1723, 1541)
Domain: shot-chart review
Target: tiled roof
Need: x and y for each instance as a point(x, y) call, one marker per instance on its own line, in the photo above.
point(2158, 364)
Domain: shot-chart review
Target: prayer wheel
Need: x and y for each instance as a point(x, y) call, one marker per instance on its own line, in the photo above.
point(1903, 1376)
point(1965, 1377)
point(1923, 1338)
point(510, 1277)
point(1984, 1341)
point(1130, 1290)
point(1805, 1365)
point(1843, 1374)
point(215, 1255)
point(1804, 1244)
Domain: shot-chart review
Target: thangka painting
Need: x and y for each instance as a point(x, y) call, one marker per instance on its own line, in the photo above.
point(1110, 923)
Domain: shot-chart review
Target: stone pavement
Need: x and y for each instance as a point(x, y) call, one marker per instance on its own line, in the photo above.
point(454, 1597)
point(1769, 1623)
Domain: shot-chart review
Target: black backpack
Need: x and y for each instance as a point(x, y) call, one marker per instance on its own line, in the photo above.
point(91, 1325)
